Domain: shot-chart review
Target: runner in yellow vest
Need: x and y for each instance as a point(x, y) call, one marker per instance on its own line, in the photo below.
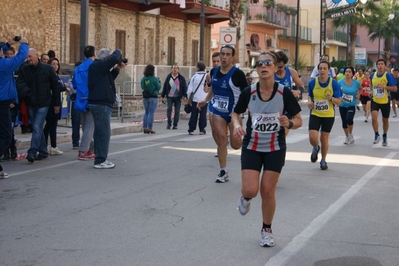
point(381, 83)
point(323, 93)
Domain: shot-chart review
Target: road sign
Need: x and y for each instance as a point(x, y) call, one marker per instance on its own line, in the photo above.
point(360, 56)
point(228, 35)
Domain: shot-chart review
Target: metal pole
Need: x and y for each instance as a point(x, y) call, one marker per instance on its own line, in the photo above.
point(321, 30)
point(202, 22)
point(84, 26)
point(347, 41)
point(297, 36)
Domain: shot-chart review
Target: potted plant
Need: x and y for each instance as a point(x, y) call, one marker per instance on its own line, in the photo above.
point(269, 3)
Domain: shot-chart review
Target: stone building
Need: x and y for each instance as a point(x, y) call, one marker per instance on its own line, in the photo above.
point(160, 33)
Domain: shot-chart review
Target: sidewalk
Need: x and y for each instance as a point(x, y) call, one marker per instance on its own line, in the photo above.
point(131, 124)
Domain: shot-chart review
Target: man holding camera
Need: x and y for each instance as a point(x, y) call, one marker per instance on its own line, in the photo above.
point(8, 92)
point(102, 95)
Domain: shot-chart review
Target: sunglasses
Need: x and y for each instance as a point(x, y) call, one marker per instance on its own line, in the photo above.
point(266, 62)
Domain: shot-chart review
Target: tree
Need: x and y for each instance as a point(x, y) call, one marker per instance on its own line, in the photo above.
point(383, 25)
point(359, 18)
point(236, 9)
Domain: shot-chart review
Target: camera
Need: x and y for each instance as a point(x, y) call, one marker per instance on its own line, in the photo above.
point(17, 38)
point(123, 60)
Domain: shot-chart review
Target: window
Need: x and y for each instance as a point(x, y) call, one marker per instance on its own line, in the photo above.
point(74, 43)
point(194, 52)
point(171, 50)
point(120, 41)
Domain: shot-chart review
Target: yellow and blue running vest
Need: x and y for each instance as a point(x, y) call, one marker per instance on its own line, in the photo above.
point(322, 106)
point(380, 96)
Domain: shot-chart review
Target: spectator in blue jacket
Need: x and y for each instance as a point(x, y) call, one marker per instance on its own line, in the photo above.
point(102, 95)
point(79, 81)
point(8, 92)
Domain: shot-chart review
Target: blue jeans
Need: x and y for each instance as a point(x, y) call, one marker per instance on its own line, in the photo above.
point(75, 117)
point(102, 131)
point(37, 116)
point(150, 104)
point(192, 124)
point(5, 129)
point(176, 102)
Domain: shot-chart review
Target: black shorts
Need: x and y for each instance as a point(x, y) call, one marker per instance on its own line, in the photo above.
point(385, 108)
point(324, 124)
point(394, 95)
point(254, 160)
point(364, 99)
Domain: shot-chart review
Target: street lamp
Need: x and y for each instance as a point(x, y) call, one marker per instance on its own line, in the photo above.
point(390, 17)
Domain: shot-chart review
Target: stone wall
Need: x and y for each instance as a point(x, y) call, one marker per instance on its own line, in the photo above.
point(46, 24)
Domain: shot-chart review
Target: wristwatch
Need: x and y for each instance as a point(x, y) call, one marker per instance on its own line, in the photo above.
point(290, 124)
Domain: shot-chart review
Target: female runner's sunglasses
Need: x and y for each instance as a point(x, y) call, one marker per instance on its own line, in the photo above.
point(266, 62)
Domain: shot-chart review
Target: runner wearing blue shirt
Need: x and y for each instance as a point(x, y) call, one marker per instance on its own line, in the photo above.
point(350, 94)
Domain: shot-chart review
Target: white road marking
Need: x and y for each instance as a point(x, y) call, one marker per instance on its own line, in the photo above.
point(299, 241)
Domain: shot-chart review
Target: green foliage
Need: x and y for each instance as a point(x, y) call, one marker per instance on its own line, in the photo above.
point(338, 63)
point(302, 61)
point(207, 2)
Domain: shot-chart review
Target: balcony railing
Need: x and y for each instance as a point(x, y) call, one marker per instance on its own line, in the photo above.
point(305, 33)
point(220, 4)
point(339, 36)
point(269, 15)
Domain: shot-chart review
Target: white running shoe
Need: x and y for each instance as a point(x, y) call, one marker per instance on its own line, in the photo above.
point(3, 175)
point(223, 176)
point(351, 139)
point(104, 165)
point(55, 151)
point(243, 205)
point(267, 238)
point(346, 141)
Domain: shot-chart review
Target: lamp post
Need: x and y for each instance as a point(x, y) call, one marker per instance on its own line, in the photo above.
point(297, 36)
point(390, 17)
point(202, 22)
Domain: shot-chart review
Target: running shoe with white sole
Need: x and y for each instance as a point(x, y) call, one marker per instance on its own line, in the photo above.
point(3, 175)
point(243, 205)
point(351, 139)
point(223, 176)
point(104, 165)
point(55, 151)
point(377, 139)
point(384, 141)
point(346, 141)
point(267, 238)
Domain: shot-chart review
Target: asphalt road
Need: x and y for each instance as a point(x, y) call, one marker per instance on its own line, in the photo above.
point(161, 206)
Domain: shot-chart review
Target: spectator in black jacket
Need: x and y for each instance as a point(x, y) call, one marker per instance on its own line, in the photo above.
point(37, 84)
point(102, 95)
point(174, 88)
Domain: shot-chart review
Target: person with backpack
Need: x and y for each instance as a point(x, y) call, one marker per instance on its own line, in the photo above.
point(80, 84)
point(150, 86)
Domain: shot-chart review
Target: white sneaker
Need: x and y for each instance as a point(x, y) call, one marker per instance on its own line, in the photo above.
point(223, 177)
point(104, 165)
point(346, 141)
point(395, 115)
point(3, 175)
point(351, 139)
point(267, 238)
point(243, 205)
point(55, 151)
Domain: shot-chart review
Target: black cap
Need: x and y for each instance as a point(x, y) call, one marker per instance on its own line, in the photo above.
point(2, 44)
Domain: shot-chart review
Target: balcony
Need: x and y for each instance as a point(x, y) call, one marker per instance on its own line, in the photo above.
point(305, 34)
point(340, 38)
point(270, 17)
